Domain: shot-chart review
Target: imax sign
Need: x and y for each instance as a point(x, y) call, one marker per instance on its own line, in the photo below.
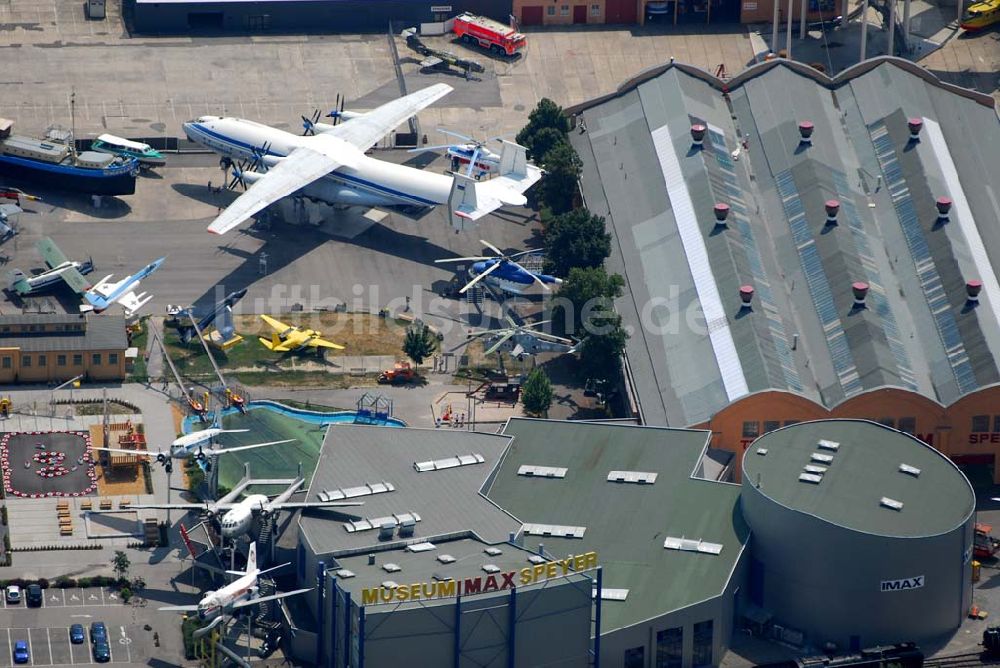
point(915, 582)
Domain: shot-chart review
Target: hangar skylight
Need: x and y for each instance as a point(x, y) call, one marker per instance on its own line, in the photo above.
point(448, 463)
point(691, 545)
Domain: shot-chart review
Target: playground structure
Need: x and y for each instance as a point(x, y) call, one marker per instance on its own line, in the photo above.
point(6, 405)
point(373, 409)
point(237, 400)
point(130, 438)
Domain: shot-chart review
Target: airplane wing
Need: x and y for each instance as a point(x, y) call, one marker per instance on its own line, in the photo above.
point(323, 343)
point(298, 169)
point(226, 451)
point(366, 130)
point(74, 279)
point(143, 453)
point(50, 253)
point(292, 505)
point(219, 506)
point(132, 302)
point(281, 328)
point(262, 599)
point(179, 608)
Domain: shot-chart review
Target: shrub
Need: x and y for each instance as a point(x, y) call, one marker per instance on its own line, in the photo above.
point(83, 583)
point(65, 582)
point(126, 594)
point(43, 583)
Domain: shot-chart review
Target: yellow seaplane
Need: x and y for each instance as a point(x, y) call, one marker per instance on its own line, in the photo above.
point(981, 15)
point(289, 338)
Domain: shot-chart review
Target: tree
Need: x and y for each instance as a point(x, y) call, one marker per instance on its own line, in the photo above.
point(600, 354)
point(562, 170)
point(546, 114)
point(585, 294)
point(536, 392)
point(544, 141)
point(120, 563)
point(419, 342)
point(575, 239)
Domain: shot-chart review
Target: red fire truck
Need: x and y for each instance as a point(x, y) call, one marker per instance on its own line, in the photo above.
point(488, 34)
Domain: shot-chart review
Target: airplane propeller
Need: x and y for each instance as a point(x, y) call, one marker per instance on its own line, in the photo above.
point(500, 258)
point(309, 124)
point(337, 113)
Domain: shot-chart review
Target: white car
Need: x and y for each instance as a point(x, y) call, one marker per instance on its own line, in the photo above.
point(13, 594)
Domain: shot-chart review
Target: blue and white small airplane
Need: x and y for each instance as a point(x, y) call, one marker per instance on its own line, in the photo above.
point(106, 293)
point(503, 271)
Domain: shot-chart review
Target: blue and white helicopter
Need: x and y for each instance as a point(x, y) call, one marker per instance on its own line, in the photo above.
point(472, 154)
point(503, 272)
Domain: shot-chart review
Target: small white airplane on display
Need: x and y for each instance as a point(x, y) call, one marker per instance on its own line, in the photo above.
point(240, 593)
point(106, 293)
point(478, 161)
point(180, 451)
point(330, 165)
point(238, 516)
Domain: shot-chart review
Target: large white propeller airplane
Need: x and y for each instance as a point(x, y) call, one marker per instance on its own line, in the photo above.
point(240, 593)
point(330, 165)
point(238, 516)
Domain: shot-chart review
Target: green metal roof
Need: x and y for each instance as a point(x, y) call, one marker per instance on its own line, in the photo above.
point(865, 468)
point(626, 523)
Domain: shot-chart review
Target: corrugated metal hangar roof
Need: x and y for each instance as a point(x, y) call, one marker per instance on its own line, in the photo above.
point(858, 279)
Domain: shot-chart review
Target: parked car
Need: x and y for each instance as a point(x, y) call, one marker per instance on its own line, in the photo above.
point(21, 653)
point(34, 595)
point(76, 634)
point(13, 594)
point(102, 653)
point(98, 632)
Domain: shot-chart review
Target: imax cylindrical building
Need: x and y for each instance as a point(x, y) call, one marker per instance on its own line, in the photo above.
point(862, 535)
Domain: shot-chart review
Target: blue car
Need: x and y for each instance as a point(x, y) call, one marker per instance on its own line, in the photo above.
point(76, 634)
point(98, 632)
point(21, 654)
point(102, 653)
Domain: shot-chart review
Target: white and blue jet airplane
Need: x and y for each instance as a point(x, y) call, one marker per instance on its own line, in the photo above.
point(105, 293)
point(330, 165)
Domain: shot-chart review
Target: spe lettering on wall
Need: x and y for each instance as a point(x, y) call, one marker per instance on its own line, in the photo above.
point(915, 582)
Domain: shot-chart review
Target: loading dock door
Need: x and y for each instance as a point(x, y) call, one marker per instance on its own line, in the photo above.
point(531, 16)
point(579, 13)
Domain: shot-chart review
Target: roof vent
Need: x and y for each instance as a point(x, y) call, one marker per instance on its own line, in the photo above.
point(389, 584)
point(762, 451)
point(353, 492)
point(891, 504)
point(832, 207)
point(721, 210)
point(810, 478)
point(449, 462)
point(640, 477)
point(909, 470)
point(610, 594)
point(343, 574)
point(972, 289)
point(537, 559)
point(824, 444)
point(820, 458)
point(691, 545)
point(386, 529)
point(944, 207)
point(746, 295)
point(391, 568)
point(915, 125)
point(446, 558)
point(493, 551)
point(420, 547)
point(806, 131)
point(491, 568)
point(407, 526)
point(860, 290)
point(557, 530)
point(698, 134)
point(542, 471)
point(814, 469)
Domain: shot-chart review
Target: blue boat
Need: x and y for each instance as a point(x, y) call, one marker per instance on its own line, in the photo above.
point(54, 162)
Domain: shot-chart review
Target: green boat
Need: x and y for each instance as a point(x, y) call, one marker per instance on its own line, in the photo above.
point(144, 153)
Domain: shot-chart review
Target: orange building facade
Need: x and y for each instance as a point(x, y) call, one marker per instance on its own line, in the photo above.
point(967, 431)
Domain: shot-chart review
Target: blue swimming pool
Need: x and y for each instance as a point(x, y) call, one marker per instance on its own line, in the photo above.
point(191, 423)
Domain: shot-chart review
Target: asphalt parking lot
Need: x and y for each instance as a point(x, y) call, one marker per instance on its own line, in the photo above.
point(46, 628)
